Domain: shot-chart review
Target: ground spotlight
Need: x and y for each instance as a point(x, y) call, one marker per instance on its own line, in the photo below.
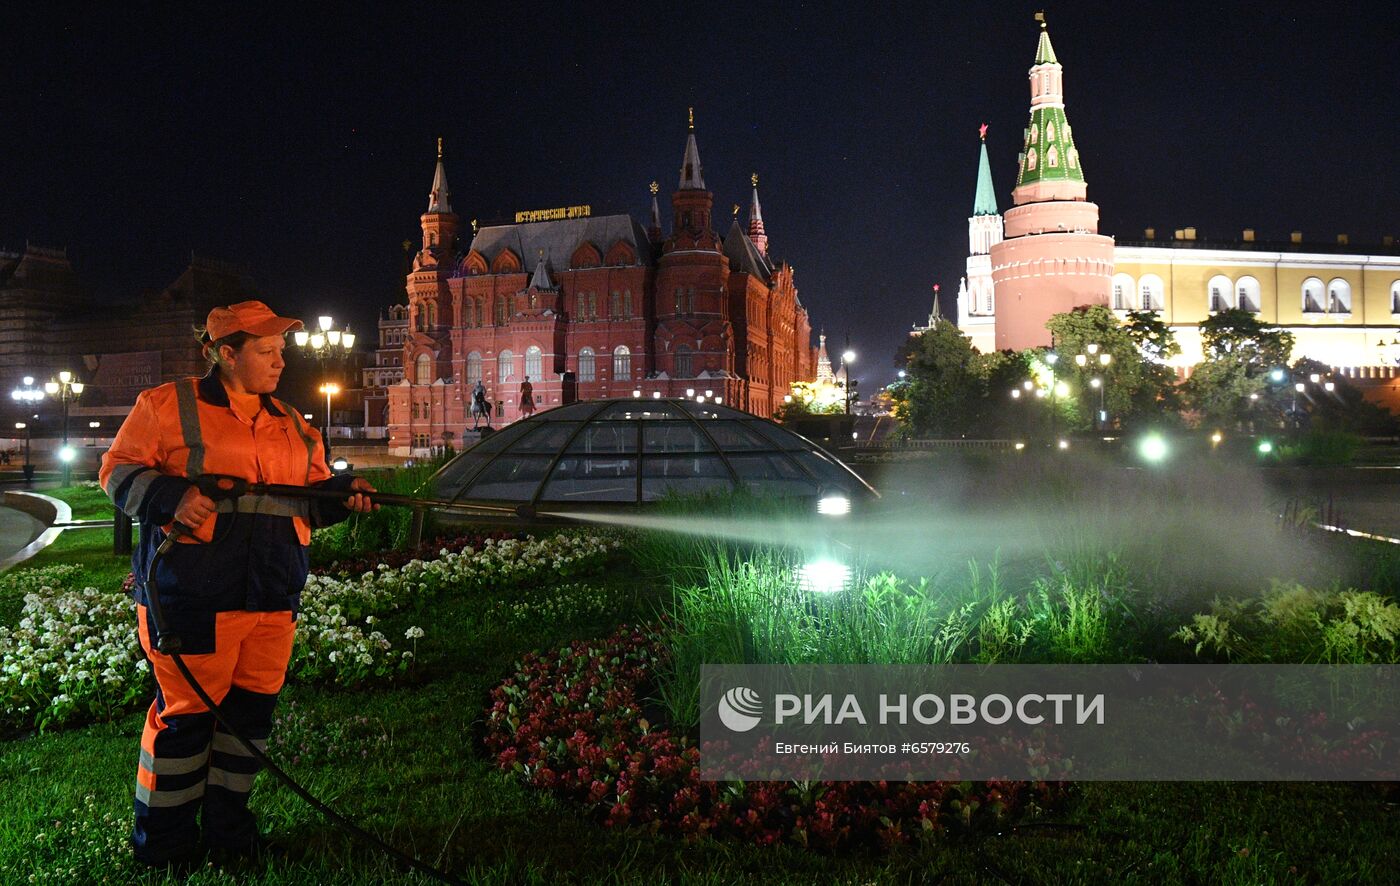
point(1265, 447)
point(1153, 448)
point(1216, 438)
point(1064, 444)
point(823, 577)
point(834, 505)
point(1020, 446)
point(68, 453)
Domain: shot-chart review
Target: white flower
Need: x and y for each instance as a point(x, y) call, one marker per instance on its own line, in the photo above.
point(413, 633)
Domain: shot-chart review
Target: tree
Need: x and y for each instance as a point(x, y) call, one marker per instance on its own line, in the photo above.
point(1137, 384)
point(1159, 394)
point(1231, 385)
point(945, 388)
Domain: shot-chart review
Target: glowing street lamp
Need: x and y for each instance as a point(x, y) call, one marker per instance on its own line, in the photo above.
point(67, 389)
point(28, 466)
point(330, 389)
point(848, 357)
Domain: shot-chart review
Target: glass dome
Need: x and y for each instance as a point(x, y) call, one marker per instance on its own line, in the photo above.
point(632, 451)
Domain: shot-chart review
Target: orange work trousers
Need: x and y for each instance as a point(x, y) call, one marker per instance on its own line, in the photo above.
point(189, 762)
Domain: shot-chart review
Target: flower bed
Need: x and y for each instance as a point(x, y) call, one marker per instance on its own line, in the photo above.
point(74, 655)
point(571, 721)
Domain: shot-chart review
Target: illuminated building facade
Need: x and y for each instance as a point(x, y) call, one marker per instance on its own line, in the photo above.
point(587, 307)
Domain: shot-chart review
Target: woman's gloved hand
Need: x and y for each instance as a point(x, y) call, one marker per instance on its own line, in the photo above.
point(194, 508)
point(359, 504)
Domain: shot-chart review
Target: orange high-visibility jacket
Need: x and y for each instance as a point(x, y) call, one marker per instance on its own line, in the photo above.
point(253, 554)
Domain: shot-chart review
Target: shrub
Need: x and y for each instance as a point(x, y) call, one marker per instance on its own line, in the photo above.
point(1290, 623)
point(1321, 447)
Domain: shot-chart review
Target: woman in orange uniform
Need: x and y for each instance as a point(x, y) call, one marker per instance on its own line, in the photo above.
point(230, 590)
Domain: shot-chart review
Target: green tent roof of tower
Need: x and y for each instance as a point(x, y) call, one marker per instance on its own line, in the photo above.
point(985, 202)
point(1044, 52)
point(1049, 153)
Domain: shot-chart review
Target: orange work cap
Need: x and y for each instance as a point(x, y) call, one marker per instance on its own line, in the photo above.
point(252, 317)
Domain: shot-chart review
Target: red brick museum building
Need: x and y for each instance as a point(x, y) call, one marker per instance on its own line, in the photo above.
point(589, 307)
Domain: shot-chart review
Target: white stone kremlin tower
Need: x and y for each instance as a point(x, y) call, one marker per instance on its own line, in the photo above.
point(1053, 258)
point(976, 300)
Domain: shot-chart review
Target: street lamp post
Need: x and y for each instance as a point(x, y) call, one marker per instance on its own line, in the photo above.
point(330, 389)
point(848, 357)
point(326, 343)
point(28, 466)
point(67, 389)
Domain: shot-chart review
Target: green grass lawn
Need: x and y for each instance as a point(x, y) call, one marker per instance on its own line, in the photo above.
point(406, 763)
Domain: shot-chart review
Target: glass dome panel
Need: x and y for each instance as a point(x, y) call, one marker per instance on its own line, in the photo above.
point(631, 410)
point(609, 437)
point(683, 475)
point(593, 478)
point(710, 410)
point(732, 435)
point(781, 437)
point(674, 436)
point(509, 477)
point(549, 437)
point(773, 473)
point(573, 411)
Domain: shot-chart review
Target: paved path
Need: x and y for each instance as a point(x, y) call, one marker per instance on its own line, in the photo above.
point(17, 529)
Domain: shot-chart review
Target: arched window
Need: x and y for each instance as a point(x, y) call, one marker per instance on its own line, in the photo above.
point(468, 312)
point(1218, 294)
point(505, 367)
point(1030, 160)
point(423, 370)
point(683, 362)
point(1050, 132)
point(1312, 296)
point(585, 365)
point(622, 363)
point(473, 367)
point(627, 304)
point(1395, 297)
point(680, 294)
point(432, 314)
point(502, 314)
point(690, 300)
point(615, 305)
point(1122, 286)
point(1248, 295)
point(1338, 296)
point(481, 312)
point(1151, 289)
point(532, 362)
point(1052, 157)
point(1034, 134)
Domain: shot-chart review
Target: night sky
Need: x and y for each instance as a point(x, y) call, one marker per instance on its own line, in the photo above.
point(301, 143)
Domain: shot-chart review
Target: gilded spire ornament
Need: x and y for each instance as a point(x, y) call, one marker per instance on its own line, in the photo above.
point(692, 119)
point(439, 147)
point(654, 188)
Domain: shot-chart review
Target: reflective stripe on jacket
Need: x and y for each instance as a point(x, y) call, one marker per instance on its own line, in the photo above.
point(254, 551)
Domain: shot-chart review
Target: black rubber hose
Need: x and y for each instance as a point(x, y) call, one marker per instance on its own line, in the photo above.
point(163, 638)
